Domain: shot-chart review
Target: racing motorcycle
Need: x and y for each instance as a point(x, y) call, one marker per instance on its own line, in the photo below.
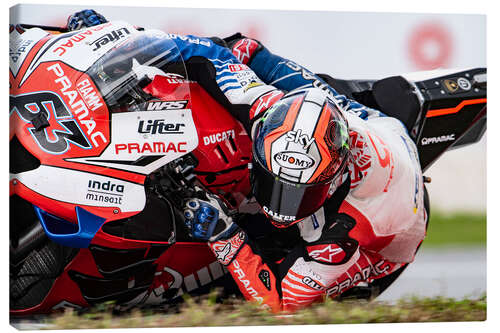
point(108, 139)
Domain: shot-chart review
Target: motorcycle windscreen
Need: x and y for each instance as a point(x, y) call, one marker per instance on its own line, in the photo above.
point(124, 73)
point(284, 202)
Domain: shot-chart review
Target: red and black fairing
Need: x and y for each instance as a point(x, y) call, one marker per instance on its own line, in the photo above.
point(224, 147)
point(123, 262)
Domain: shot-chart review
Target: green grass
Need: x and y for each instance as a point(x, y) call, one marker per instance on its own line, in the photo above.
point(456, 229)
point(206, 312)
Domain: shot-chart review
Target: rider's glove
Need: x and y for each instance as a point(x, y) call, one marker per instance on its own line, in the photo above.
point(208, 218)
point(84, 19)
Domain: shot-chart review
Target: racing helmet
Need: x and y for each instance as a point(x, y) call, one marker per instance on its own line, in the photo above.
point(300, 151)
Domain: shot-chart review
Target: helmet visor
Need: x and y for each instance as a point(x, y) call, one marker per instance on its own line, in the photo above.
point(284, 202)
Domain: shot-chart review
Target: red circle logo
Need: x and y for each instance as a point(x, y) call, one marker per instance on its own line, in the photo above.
point(430, 46)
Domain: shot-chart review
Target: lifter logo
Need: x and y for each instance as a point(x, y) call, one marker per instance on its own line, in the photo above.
point(159, 126)
point(113, 36)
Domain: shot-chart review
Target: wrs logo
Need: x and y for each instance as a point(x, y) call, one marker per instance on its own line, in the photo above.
point(166, 105)
point(159, 126)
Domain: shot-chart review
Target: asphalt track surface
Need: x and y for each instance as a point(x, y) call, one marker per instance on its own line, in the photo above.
point(450, 272)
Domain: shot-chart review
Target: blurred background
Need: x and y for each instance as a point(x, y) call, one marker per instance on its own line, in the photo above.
point(360, 45)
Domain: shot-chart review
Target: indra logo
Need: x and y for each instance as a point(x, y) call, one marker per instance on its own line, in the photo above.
point(293, 160)
point(105, 191)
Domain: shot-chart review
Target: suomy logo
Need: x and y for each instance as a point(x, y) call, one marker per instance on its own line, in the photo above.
point(293, 160)
point(159, 126)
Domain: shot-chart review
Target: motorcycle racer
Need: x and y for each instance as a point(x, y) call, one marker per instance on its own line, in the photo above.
point(348, 233)
point(347, 238)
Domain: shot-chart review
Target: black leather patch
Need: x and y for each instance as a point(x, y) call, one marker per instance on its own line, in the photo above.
point(265, 278)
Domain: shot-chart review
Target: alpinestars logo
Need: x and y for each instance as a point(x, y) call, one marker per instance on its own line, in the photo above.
point(244, 49)
point(330, 253)
point(264, 102)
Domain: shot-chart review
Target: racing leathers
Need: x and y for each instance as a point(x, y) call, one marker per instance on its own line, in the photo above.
point(369, 227)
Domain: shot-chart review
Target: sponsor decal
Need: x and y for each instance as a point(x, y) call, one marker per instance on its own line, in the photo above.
point(107, 192)
point(218, 137)
point(298, 137)
point(264, 102)
point(17, 50)
point(166, 105)
point(293, 160)
point(328, 253)
point(464, 83)
point(265, 278)
point(225, 250)
point(315, 81)
point(191, 39)
point(249, 85)
point(89, 95)
point(159, 126)
point(237, 67)
point(277, 216)
point(244, 49)
point(78, 38)
point(150, 147)
point(362, 157)
point(437, 139)
point(112, 36)
point(221, 253)
point(362, 275)
point(77, 105)
point(314, 221)
point(311, 283)
point(240, 274)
